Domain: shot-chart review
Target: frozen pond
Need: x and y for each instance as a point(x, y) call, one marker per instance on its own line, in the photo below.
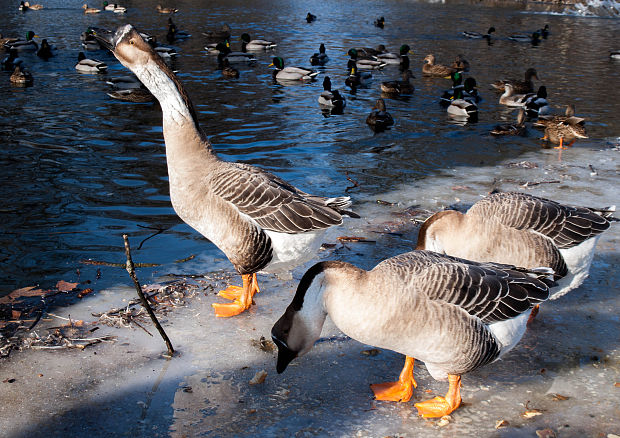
point(81, 169)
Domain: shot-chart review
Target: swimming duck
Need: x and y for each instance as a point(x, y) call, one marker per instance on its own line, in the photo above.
point(255, 45)
point(319, 58)
point(537, 105)
point(460, 63)
point(436, 70)
point(512, 129)
point(310, 17)
point(28, 45)
point(261, 222)
point(162, 10)
point(6, 41)
point(234, 57)
point(11, 61)
point(283, 73)
point(175, 35)
point(614, 54)
point(544, 32)
point(218, 36)
point(224, 65)
point(453, 314)
point(86, 65)
point(369, 51)
point(383, 55)
point(125, 82)
point(519, 87)
point(136, 95)
point(380, 22)
point(523, 230)
point(371, 63)
point(534, 38)
point(356, 77)
point(396, 88)
point(331, 99)
point(470, 90)
point(35, 7)
point(462, 107)
point(117, 9)
point(21, 78)
point(457, 83)
point(88, 10)
point(509, 98)
point(477, 35)
point(22, 7)
point(45, 50)
point(167, 53)
point(379, 119)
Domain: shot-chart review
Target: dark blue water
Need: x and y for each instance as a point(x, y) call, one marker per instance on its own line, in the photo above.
point(80, 169)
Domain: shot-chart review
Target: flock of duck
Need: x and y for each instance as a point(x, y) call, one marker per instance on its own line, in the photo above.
point(460, 300)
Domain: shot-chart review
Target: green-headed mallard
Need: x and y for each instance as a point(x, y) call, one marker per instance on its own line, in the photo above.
point(537, 105)
point(85, 65)
point(366, 63)
point(435, 70)
point(478, 35)
point(356, 77)
point(462, 107)
point(292, 74)
point(234, 57)
point(27, 45)
point(255, 45)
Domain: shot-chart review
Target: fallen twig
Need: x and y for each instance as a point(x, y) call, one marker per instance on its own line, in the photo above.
point(535, 183)
point(355, 183)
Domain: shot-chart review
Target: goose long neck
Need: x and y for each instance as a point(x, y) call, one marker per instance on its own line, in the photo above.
point(184, 138)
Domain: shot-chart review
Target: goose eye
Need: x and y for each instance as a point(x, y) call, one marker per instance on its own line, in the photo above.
point(131, 42)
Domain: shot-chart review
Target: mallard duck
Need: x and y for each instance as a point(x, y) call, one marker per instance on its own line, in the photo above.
point(6, 41)
point(534, 38)
point(86, 65)
point(436, 70)
point(35, 7)
point(512, 129)
point(477, 35)
point(167, 53)
point(356, 77)
point(547, 119)
point(380, 22)
point(365, 63)
point(27, 45)
point(401, 58)
point(125, 82)
point(11, 61)
point(615, 54)
point(397, 88)
point(136, 95)
point(457, 83)
point(294, 74)
point(559, 130)
point(255, 45)
point(369, 51)
point(22, 7)
point(462, 107)
point(524, 230)
point(234, 57)
point(379, 119)
point(453, 314)
point(460, 63)
point(88, 10)
point(220, 35)
point(261, 222)
point(224, 65)
point(45, 50)
point(175, 35)
point(310, 17)
point(544, 32)
point(470, 90)
point(21, 77)
point(114, 8)
point(537, 105)
point(519, 87)
point(509, 98)
point(162, 10)
point(331, 99)
point(319, 58)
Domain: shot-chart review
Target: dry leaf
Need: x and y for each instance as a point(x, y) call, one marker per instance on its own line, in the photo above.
point(29, 291)
point(85, 292)
point(559, 397)
point(444, 421)
point(64, 286)
point(501, 423)
point(545, 433)
point(617, 384)
point(371, 352)
point(259, 378)
point(531, 413)
point(15, 314)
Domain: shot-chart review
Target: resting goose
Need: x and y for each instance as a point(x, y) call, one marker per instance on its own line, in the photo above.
point(453, 314)
point(436, 70)
point(261, 222)
point(521, 87)
point(291, 74)
point(522, 230)
point(255, 45)
point(329, 99)
point(86, 65)
point(319, 58)
point(512, 129)
point(379, 119)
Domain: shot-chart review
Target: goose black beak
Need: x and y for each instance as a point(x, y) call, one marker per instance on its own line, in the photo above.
point(285, 355)
point(105, 37)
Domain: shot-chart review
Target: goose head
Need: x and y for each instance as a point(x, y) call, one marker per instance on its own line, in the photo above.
point(128, 47)
point(438, 230)
point(297, 330)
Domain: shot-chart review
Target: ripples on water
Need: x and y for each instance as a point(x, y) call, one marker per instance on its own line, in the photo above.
point(80, 169)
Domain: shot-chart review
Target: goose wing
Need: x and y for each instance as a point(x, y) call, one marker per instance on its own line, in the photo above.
point(566, 226)
point(491, 292)
point(273, 203)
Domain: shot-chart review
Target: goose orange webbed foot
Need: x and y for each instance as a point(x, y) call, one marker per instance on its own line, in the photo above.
point(229, 309)
point(231, 292)
point(399, 391)
point(241, 296)
point(440, 406)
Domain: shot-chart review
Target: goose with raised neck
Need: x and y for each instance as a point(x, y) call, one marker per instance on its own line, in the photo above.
point(258, 220)
point(453, 314)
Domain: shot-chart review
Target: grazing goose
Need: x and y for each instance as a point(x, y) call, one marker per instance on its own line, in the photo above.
point(370, 63)
point(329, 99)
point(356, 77)
point(453, 314)
point(512, 129)
point(88, 10)
point(396, 88)
point(379, 119)
point(45, 50)
point(319, 58)
point(293, 74)
point(21, 78)
point(509, 98)
point(310, 17)
point(462, 107)
point(86, 65)
point(521, 87)
point(11, 61)
point(460, 63)
point(162, 10)
point(136, 95)
point(380, 22)
point(224, 65)
point(261, 222)
point(436, 70)
point(255, 45)
point(28, 45)
point(522, 230)
point(478, 35)
point(234, 57)
point(537, 104)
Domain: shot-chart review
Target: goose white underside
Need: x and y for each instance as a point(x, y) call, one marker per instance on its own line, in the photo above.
point(578, 259)
point(291, 250)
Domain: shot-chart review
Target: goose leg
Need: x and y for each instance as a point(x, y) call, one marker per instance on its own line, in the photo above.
point(235, 292)
point(400, 391)
point(242, 301)
point(440, 406)
point(533, 313)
